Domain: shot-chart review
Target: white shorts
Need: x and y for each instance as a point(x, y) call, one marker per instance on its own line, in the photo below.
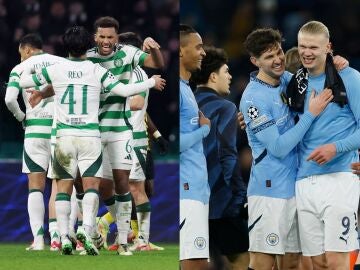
point(73, 153)
point(327, 208)
point(36, 155)
point(107, 171)
point(273, 225)
point(138, 168)
point(194, 230)
point(119, 154)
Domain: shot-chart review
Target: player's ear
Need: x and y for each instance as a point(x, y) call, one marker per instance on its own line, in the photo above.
point(213, 77)
point(180, 52)
point(253, 60)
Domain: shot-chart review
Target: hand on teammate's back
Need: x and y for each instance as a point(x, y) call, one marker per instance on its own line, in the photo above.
point(340, 62)
point(203, 120)
point(241, 121)
point(159, 82)
point(35, 97)
point(318, 103)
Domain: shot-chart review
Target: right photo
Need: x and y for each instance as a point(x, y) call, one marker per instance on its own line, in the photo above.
point(269, 135)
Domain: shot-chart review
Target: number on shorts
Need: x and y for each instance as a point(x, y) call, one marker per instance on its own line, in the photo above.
point(128, 147)
point(346, 224)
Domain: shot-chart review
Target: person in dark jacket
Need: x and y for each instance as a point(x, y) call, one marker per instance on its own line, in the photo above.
point(228, 233)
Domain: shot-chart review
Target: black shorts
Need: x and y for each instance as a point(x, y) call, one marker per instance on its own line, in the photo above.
point(149, 168)
point(229, 235)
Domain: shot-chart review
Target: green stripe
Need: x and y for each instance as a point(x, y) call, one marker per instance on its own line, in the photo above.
point(52, 220)
point(145, 207)
point(139, 134)
point(60, 172)
point(35, 190)
point(141, 157)
point(35, 79)
point(142, 59)
point(62, 197)
point(114, 129)
point(53, 132)
point(114, 115)
point(46, 75)
point(91, 126)
point(123, 198)
point(118, 54)
point(93, 169)
point(40, 231)
point(14, 74)
point(120, 70)
point(143, 94)
point(32, 166)
point(38, 122)
point(91, 190)
point(111, 86)
point(38, 135)
point(14, 84)
point(103, 78)
point(113, 100)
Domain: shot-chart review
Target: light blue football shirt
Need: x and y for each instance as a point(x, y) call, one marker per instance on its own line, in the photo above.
point(334, 125)
point(193, 171)
point(273, 138)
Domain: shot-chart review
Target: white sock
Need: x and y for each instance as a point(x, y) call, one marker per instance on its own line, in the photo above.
point(90, 205)
point(143, 212)
point(53, 230)
point(36, 210)
point(123, 215)
point(73, 212)
point(63, 208)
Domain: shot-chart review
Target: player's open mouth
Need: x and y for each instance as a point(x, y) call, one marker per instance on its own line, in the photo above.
point(307, 60)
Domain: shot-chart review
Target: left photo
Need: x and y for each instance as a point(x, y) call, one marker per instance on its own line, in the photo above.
point(89, 123)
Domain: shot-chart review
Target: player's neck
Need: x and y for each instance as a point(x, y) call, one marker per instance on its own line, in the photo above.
point(262, 76)
point(316, 71)
point(184, 73)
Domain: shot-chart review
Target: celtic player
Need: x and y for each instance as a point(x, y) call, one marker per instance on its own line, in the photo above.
point(115, 127)
point(37, 122)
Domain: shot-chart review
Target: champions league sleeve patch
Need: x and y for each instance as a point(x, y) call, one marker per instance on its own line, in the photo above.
point(253, 112)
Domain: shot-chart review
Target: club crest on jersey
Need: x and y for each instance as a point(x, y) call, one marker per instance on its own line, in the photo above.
point(272, 239)
point(200, 243)
point(118, 62)
point(253, 112)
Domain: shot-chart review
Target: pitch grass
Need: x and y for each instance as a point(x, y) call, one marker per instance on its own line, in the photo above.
point(15, 257)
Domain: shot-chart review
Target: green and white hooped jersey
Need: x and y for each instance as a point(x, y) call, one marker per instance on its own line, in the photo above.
point(138, 117)
point(77, 85)
point(39, 119)
point(114, 114)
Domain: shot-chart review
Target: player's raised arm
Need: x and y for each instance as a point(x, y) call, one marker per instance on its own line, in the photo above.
point(155, 59)
point(110, 83)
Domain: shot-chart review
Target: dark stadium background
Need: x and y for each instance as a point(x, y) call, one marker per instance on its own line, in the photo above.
point(226, 24)
point(50, 18)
